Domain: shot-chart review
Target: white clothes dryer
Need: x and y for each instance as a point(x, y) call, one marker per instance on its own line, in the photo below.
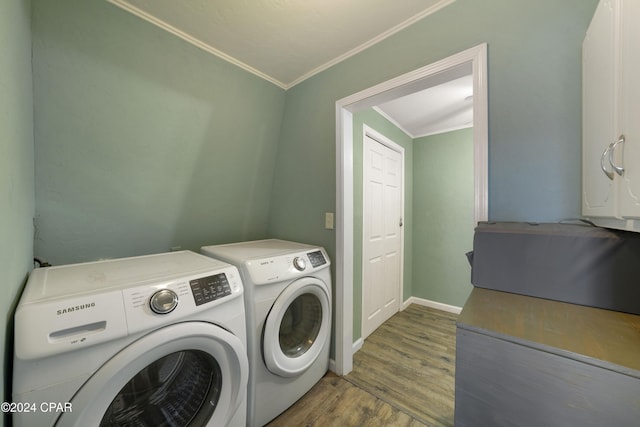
point(288, 307)
point(157, 340)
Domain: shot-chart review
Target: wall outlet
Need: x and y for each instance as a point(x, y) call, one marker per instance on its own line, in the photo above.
point(328, 220)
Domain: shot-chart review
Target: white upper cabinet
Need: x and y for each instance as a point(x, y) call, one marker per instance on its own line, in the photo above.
point(629, 107)
point(598, 113)
point(611, 114)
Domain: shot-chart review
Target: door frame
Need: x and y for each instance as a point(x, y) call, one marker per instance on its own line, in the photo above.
point(476, 59)
point(368, 131)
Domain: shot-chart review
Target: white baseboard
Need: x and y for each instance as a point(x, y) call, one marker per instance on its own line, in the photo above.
point(433, 304)
point(357, 345)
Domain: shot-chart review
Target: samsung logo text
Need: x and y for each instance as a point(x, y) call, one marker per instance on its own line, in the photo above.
point(75, 308)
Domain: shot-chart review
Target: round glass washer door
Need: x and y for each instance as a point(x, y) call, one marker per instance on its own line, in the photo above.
point(191, 373)
point(297, 327)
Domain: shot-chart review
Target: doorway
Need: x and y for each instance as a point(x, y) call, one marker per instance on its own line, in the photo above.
point(427, 76)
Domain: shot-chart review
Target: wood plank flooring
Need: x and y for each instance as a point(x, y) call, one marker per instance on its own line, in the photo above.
point(403, 376)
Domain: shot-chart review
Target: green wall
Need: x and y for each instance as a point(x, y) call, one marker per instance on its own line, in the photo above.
point(534, 69)
point(443, 203)
point(16, 169)
point(143, 141)
point(381, 125)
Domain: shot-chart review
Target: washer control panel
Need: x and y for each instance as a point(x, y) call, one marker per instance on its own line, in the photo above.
point(210, 288)
point(152, 305)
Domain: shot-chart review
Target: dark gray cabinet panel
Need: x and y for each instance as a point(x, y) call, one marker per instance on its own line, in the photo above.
point(523, 361)
point(501, 383)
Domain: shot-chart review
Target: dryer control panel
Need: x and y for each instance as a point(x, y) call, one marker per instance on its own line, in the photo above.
point(316, 258)
point(286, 267)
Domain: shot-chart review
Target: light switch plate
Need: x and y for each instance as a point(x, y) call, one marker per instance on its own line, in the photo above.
point(328, 220)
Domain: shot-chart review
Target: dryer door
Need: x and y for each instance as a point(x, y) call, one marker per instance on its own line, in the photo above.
point(191, 373)
point(297, 327)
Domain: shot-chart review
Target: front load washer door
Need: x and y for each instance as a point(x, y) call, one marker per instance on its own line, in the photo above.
point(297, 327)
point(186, 374)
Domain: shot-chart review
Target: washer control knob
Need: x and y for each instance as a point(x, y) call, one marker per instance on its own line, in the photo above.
point(299, 263)
point(164, 301)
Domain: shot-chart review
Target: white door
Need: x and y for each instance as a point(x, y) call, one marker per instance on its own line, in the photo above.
point(382, 233)
point(598, 114)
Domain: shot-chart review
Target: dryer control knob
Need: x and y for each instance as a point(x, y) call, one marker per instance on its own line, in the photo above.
point(164, 301)
point(299, 263)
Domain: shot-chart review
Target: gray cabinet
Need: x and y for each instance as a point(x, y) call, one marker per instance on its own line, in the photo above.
point(525, 361)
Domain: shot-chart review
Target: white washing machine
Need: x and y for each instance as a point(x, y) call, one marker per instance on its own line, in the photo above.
point(288, 307)
point(157, 340)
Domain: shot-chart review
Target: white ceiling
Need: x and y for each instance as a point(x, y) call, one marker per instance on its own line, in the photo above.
point(442, 108)
point(288, 41)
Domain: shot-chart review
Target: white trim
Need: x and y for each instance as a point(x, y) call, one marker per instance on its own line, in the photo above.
point(374, 134)
point(416, 80)
point(402, 85)
point(445, 130)
point(123, 4)
point(357, 345)
point(433, 304)
point(194, 41)
point(421, 135)
point(364, 46)
point(368, 131)
point(392, 120)
point(344, 233)
point(480, 134)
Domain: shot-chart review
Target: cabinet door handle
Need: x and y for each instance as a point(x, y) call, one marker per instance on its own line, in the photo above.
point(619, 169)
point(606, 151)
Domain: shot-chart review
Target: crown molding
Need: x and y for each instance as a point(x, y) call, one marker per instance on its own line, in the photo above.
point(194, 41)
point(123, 4)
point(433, 9)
